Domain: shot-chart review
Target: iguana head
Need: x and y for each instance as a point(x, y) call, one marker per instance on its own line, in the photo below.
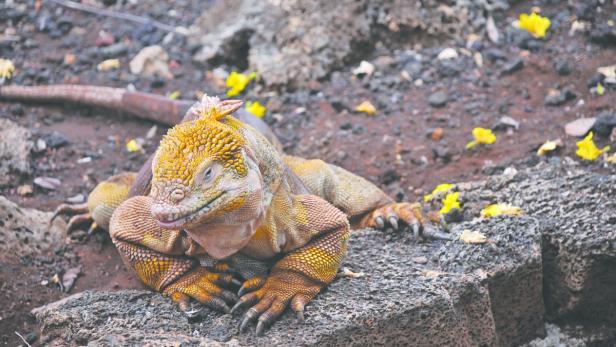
point(204, 174)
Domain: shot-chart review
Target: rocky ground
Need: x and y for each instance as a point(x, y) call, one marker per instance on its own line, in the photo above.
point(426, 109)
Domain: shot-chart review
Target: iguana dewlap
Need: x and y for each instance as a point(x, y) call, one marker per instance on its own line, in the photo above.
point(224, 200)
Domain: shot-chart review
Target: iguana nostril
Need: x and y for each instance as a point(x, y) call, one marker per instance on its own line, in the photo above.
point(177, 195)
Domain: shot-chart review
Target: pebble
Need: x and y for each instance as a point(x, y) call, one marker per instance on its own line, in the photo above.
point(579, 127)
point(113, 51)
point(494, 54)
point(48, 182)
point(438, 99)
point(55, 140)
point(606, 121)
point(603, 33)
point(512, 66)
point(420, 260)
point(505, 123)
point(557, 97)
point(562, 67)
point(447, 53)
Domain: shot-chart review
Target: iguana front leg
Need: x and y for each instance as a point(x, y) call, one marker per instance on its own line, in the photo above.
point(158, 256)
point(302, 273)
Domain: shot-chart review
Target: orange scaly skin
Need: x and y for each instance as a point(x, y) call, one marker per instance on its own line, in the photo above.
point(224, 200)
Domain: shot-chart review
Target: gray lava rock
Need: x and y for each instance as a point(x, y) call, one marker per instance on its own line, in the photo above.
point(15, 148)
point(438, 99)
point(25, 231)
point(490, 294)
point(606, 121)
point(295, 41)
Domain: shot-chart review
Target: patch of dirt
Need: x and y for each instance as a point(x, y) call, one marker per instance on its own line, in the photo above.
point(318, 120)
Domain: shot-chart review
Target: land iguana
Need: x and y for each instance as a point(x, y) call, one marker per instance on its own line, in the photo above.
point(225, 203)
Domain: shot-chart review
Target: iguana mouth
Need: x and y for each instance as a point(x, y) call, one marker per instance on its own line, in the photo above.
point(177, 220)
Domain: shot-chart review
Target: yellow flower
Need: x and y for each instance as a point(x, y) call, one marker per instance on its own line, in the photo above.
point(494, 210)
point(587, 149)
point(611, 159)
point(367, 108)
point(255, 108)
point(133, 146)
point(450, 202)
point(441, 188)
point(236, 82)
point(535, 24)
point(6, 69)
point(482, 137)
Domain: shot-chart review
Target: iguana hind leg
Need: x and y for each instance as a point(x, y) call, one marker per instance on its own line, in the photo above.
point(102, 201)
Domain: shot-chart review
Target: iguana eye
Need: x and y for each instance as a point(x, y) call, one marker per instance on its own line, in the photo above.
point(207, 175)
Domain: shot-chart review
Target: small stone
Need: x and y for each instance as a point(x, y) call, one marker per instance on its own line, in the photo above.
point(364, 68)
point(420, 260)
point(579, 127)
point(562, 67)
point(76, 199)
point(606, 121)
point(512, 66)
point(505, 123)
point(556, 97)
point(48, 182)
point(24, 190)
point(114, 51)
point(438, 99)
point(494, 54)
point(55, 140)
point(437, 134)
point(447, 53)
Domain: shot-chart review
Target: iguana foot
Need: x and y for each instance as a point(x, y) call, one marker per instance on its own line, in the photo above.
point(80, 215)
point(204, 286)
point(271, 299)
point(399, 214)
point(395, 214)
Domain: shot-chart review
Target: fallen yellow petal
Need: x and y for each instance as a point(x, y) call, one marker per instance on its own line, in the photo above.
point(174, 95)
point(469, 236)
point(547, 147)
point(494, 210)
point(535, 24)
point(367, 108)
point(108, 64)
point(6, 69)
point(450, 202)
point(441, 188)
point(600, 89)
point(255, 108)
point(611, 159)
point(133, 146)
point(237, 82)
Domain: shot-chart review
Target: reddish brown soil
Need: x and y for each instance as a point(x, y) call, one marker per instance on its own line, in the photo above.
point(371, 154)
